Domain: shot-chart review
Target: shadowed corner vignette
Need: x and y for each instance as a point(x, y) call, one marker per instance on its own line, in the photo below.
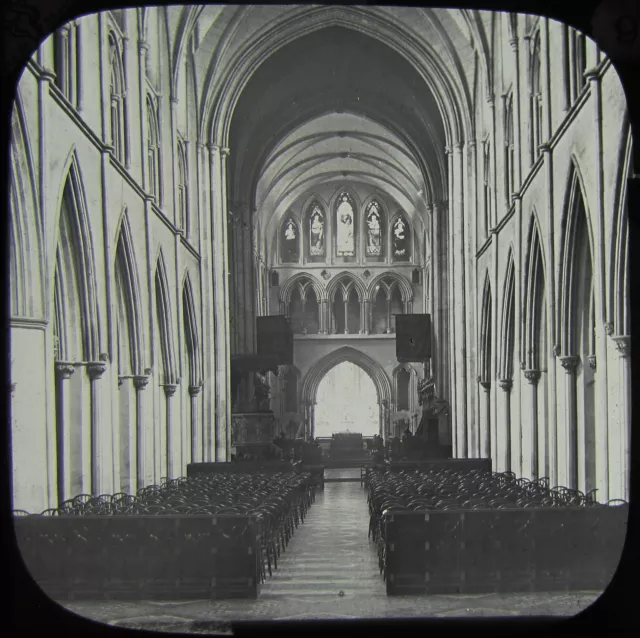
point(331, 305)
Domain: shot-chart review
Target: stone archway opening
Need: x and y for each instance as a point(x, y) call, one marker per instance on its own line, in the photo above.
point(346, 401)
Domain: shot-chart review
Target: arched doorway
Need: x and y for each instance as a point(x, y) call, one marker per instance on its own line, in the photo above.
point(346, 401)
point(353, 384)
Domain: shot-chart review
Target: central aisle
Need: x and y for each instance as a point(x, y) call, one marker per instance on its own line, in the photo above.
point(330, 554)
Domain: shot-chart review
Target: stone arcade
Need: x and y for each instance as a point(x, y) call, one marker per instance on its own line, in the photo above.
point(177, 172)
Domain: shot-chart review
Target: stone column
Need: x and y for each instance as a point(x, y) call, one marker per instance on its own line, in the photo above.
point(485, 416)
point(506, 385)
point(346, 313)
point(169, 391)
point(366, 319)
point(143, 48)
point(197, 438)
point(63, 422)
point(324, 318)
point(570, 472)
point(140, 382)
point(623, 344)
point(95, 372)
point(530, 446)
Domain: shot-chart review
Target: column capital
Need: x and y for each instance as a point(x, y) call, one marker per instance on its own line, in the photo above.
point(532, 376)
point(140, 381)
point(570, 363)
point(194, 390)
point(608, 328)
point(545, 147)
point(592, 75)
point(64, 370)
point(556, 350)
point(505, 384)
point(623, 344)
point(593, 362)
point(170, 389)
point(486, 385)
point(514, 44)
point(458, 146)
point(213, 148)
point(143, 47)
point(225, 152)
point(448, 150)
point(95, 370)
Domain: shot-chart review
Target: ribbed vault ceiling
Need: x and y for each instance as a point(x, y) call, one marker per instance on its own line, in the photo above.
point(341, 147)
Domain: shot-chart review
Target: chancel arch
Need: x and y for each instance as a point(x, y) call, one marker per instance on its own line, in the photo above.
point(347, 354)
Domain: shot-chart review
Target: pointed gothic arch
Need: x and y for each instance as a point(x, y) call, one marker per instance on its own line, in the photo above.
point(404, 391)
point(191, 333)
point(507, 323)
point(401, 282)
point(619, 279)
point(26, 261)
point(375, 371)
point(164, 326)
point(301, 278)
point(129, 302)
point(77, 310)
point(576, 254)
point(534, 304)
point(486, 332)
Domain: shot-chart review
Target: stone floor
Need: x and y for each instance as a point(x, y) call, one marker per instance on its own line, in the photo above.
point(329, 571)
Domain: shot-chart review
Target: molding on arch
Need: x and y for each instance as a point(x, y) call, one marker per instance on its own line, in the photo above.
point(195, 358)
point(287, 288)
point(566, 261)
point(404, 286)
point(165, 331)
point(132, 296)
point(534, 273)
point(485, 346)
point(336, 282)
point(507, 320)
point(348, 354)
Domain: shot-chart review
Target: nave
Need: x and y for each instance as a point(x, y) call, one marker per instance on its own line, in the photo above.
point(328, 555)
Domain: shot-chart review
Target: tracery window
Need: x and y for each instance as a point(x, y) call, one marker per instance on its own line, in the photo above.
point(65, 61)
point(486, 186)
point(117, 96)
point(290, 241)
point(345, 226)
point(536, 99)
point(153, 148)
point(183, 188)
point(316, 229)
point(577, 62)
point(509, 152)
point(375, 235)
point(401, 239)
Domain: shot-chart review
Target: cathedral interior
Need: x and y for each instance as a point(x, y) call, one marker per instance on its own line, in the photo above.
point(178, 173)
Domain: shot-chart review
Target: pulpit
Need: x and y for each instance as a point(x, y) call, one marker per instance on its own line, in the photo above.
point(253, 424)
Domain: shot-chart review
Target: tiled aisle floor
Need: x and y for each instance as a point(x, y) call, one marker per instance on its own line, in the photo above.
point(330, 570)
